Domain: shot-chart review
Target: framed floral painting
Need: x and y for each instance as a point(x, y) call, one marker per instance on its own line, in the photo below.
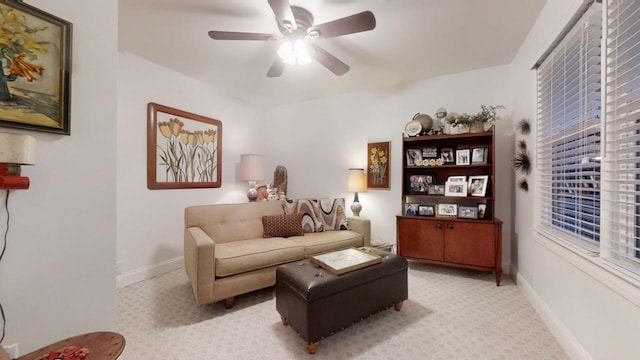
point(184, 150)
point(35, 54)
point(378, 165)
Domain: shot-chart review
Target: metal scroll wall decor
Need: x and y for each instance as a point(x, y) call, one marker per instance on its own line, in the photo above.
point(521, 161)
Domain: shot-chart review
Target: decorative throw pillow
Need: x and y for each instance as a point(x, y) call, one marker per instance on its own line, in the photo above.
point(333, 214)
point(309, 209)
point(282, 225)
point(319, 214)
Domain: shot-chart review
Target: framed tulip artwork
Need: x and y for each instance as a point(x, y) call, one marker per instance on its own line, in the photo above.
point(378, 165)
point(184, 150)
point(35, 55)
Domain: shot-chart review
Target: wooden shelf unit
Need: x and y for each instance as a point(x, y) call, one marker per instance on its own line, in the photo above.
point(452, 241)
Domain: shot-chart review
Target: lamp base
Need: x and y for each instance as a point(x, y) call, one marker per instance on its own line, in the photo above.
point(356, 207)
point(252, 194)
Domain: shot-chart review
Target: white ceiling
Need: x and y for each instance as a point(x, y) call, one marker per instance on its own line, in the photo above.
point(413, 40)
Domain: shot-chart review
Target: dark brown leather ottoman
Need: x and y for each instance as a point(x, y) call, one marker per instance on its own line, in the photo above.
point(317, 303)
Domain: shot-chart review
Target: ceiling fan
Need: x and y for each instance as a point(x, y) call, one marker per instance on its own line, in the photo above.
point(296, 26)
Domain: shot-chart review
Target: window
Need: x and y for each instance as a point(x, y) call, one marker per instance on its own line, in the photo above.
point(588, 169)
point(569, 135)
point(621, 163)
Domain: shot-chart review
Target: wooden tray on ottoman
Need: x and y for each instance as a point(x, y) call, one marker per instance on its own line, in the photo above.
point(344, 261)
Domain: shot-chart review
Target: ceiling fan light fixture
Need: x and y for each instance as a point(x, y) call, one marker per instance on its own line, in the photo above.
point(295, 53)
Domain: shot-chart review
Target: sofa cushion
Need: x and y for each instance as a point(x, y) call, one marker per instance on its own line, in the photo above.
point(322, 242)
point(282, 225)
point(246, 255)
point(318, 214)
point(231, 222)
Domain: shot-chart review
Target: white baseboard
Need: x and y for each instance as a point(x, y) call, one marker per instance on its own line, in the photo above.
point(566, 339)
point(147, 272)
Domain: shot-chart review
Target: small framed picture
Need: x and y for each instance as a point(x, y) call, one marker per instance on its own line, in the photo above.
point(411, 209)
point(456, 188)
point(479, 155)
point(447, 210)
point(436, 189)
point(478, 185)
point(463, 157)
point(420, 183)
point(460, 178)
point(482, 210)
point(414, 157)
point(446, 154)
point(426, 210)
point(430, 152)
point(468, 212)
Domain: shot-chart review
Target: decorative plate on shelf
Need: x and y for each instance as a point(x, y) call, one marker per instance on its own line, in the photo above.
point(413, 128)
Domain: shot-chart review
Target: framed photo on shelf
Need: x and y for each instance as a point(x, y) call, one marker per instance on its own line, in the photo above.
point(478, 185)
point(430, 152)
point(479, 155)
point(426, 210)
point(420, 183)
point(414, 157)
point(450, 210)
point(456, 188)
point(482, 210)
point(468, 212)
point(436, 189)
point(460, 178)
point(411, 209)
point(463, 157)
point(446, 154)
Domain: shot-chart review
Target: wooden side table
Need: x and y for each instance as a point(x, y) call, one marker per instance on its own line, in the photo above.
point(102, 345)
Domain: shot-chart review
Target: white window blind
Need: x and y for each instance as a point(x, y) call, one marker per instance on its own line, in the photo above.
point(621, 161)
point(568, 134)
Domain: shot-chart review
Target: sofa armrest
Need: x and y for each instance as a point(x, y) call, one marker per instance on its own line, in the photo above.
point(361, 225)
point(199, 251)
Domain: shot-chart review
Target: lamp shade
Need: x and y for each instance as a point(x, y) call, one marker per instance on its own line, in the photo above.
point(17, 149)
point(251, 167)
point(356, 180)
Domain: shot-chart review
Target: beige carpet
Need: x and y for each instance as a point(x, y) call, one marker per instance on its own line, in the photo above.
point(450, 314)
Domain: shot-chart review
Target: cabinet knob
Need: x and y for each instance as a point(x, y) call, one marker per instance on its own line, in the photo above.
point(439, 226)
point(449, 226)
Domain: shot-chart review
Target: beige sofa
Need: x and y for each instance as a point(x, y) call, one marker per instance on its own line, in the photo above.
point(226, 255)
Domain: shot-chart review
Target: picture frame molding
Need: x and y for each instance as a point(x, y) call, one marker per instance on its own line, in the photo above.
point(153, 110)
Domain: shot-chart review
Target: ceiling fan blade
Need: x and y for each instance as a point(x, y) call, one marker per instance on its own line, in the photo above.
point(329, 61)
point(276, 68)
point(363, 21)
point(284, 14)
point(230, 35)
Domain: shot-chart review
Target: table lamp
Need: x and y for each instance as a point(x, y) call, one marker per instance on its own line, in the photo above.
point(356, 184)
point(15, 150)
point(252, 170)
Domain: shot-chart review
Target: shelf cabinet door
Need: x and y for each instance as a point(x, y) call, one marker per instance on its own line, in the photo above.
point(420, 239)
point(471, 243)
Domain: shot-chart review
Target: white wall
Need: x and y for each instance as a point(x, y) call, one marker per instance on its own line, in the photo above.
point(319, 140)
point(593, 313)
point(57, 275)
point(150, 223)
